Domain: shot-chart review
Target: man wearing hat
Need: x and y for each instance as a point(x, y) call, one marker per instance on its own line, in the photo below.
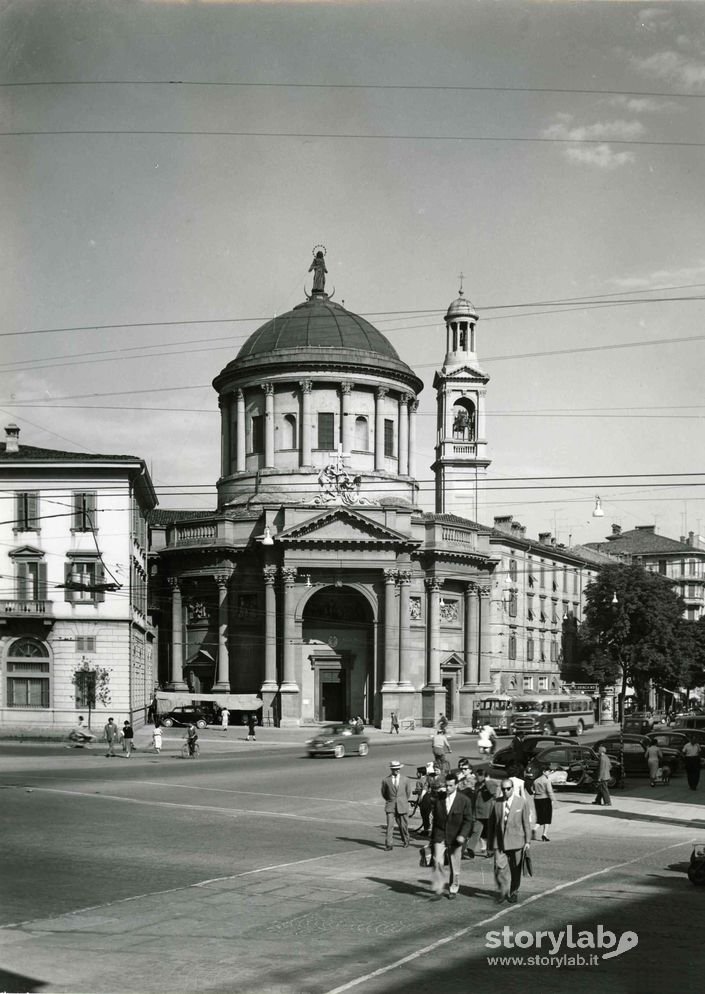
point(396, 791)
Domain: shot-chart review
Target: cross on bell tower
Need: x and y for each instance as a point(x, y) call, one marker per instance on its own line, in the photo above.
point(461, 386)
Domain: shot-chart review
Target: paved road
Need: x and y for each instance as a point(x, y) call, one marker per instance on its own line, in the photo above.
point(254, 869)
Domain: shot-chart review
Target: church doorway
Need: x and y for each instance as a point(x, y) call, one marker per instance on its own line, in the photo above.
point(337, 624)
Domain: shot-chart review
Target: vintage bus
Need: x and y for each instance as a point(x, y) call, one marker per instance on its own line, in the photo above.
point(553, 713)
point(496, 710)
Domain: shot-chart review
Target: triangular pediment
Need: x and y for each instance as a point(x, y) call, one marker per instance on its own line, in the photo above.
point(343, 526)
point(464, 374)
point(26, 552)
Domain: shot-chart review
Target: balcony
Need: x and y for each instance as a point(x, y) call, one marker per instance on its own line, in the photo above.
point(213, 533)
point(22, 609)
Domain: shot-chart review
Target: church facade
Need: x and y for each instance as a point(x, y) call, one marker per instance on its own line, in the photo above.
point(318, 583)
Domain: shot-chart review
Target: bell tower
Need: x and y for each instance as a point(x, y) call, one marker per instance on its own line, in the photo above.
point(461, 386)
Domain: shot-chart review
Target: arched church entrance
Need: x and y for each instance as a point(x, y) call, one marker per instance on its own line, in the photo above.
point(338, 630)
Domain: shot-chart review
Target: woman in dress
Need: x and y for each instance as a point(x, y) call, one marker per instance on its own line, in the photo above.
point(654, 758)
point(543, 803)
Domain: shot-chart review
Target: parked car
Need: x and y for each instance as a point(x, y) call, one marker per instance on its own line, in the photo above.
point(693, 721)
point(677, 738)
point(639, 723)
point(569, 765)
point(633, 748)
point(338, 740)
point(185, 715)
point(504, 757)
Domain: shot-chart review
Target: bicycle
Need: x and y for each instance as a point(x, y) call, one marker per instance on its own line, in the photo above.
point(185, 754)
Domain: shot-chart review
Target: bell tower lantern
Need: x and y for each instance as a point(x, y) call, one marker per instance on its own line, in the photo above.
point(461, 442)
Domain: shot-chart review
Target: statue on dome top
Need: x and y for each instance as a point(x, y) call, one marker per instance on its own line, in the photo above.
point(318, 267)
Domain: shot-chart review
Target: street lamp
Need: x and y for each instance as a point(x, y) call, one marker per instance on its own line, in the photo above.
point(266, 537)
point(597, 510)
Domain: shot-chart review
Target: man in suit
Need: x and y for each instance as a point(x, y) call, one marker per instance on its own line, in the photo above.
point(396, 791)
point(509, 835)
point(452, 819)
point(484, 795)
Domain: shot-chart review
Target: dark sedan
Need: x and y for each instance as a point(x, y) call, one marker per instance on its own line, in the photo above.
point(185, 715)
point(568, 765)
point(504, 758)
point(339, 741)
point(633, 748)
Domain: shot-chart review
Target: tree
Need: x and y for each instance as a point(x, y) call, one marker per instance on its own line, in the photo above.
point(632, 629)
point(92, 685)
point(690, 671)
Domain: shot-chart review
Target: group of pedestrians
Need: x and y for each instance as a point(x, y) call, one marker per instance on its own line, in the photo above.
point(461, 812)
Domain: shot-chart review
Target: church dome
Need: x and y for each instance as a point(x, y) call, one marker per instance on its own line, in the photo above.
point(461, 308)
point(320, 334)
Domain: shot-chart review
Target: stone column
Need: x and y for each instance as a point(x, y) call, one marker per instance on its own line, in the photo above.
point(348, 432)
point(484, 604)
point(270, 630)
point(224, 405)
point(268, 390)
point(289, 680)
point(391, 640)
point(241, 435)
point(472, 636)
point(177, 637)
point(380, 394)
point(306, 387)
point(404, 434)
point(404, 628)
point(222, 578)
point(413, 408)
point(433, 658)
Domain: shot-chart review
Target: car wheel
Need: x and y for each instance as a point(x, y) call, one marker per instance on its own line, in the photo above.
point(612, 782)
point(339, 751)
point(167, 722)
point(201, 723)
point(363, 749)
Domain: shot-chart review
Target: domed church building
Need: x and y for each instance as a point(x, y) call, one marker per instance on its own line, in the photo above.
point(318, 583)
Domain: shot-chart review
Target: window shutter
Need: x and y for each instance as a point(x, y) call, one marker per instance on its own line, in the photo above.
point(43, 588)
point(68, 576)
point(91, 515)
point(99, 595)
point(19, 512)
point(33, 512)
point(22, 581)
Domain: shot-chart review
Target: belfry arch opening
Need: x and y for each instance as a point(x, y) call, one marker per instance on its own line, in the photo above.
point(464, 419)
point(338, 636)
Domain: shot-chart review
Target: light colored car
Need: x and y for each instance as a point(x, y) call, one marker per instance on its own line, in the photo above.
point(338, 740)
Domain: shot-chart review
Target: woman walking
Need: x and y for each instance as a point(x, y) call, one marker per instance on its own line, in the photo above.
point(543, 803)
point(654, 759)
point(691, 755)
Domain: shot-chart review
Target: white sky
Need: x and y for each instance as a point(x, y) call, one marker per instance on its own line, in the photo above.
point(130, 228)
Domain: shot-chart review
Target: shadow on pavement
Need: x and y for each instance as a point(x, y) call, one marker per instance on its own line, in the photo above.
point(615, 812)
point(17, 983)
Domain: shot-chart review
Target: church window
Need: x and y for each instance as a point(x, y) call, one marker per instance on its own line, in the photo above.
point(326, 431)
point(289, 439)
point(28, 674)
point(257, 434)
point(362, 434)
point(463, 336)
point(389, 438)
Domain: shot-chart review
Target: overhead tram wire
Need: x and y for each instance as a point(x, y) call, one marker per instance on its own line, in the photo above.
point(344, 136)
point(443, 87)
point(588, 300)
